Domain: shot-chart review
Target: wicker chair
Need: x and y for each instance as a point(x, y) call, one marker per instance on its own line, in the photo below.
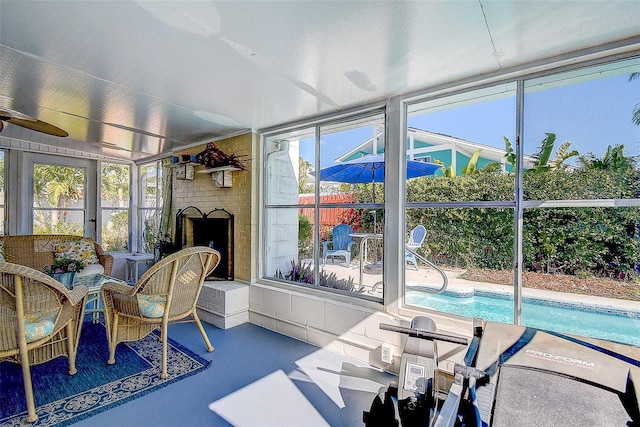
point(36, 250)
point(166, 292)
point(28, 296)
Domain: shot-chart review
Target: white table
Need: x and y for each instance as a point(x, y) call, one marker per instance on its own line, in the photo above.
point(364, 238)
point(133, 263)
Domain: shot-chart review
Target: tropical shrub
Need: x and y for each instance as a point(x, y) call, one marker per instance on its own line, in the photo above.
point(601, 241)
point(305, 242)
point(302, 272)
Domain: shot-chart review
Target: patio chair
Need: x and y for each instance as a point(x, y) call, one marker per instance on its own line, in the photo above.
point(167, 292)
point(340, 245)
point(40, 320)
point(415, 241)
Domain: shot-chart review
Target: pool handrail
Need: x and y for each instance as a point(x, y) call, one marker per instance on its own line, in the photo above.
point(445, 280)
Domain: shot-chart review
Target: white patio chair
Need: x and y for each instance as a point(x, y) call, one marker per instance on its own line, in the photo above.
point(415, 241)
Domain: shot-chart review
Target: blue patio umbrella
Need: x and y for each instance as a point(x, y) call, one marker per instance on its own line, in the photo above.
point(370, 169)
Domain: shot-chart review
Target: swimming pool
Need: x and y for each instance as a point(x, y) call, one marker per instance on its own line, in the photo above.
point(573, 318)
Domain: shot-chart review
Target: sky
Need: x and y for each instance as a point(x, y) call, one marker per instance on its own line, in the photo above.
point(591, 115)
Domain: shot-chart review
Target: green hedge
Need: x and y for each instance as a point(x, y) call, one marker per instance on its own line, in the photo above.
point(594, 241)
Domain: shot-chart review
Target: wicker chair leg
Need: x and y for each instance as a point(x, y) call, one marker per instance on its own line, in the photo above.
point(71, 348)
point(164, 332)
point(28, 388)
point(112, 336)
point(196, 320)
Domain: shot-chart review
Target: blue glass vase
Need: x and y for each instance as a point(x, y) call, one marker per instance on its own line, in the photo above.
point(65, 278)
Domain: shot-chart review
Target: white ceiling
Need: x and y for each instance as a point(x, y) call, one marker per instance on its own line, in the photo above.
point(134, 79)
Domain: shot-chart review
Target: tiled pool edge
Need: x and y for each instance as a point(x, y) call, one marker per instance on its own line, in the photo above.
point(549, 302)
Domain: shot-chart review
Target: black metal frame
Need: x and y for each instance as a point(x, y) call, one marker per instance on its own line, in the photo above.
point(227, 254)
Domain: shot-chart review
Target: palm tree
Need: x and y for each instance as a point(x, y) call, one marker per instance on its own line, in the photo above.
point(542, 162)
point(635, 118)
point(562, 155)
point(115, 184)
point(304, 181)
point(115, 187)
point(57, 186)
point(466, 170)
point(613, 159)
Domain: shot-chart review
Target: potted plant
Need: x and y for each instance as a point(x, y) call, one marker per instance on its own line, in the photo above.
point(64, 270)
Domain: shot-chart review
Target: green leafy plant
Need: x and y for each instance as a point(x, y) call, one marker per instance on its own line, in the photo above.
point(469, 169)
point(450, 172)
point(65, 265)
point(596, 241)
point(613, 159)
point(510, 153)
point(544, 153)
point(562, 155)
point(305, 243)
point(302, 272)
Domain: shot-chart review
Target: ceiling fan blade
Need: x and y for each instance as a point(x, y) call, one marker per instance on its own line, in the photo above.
point(8, 113)
point(38, 126)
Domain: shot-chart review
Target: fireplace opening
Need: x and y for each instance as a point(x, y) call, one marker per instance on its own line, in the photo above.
point(213, 229)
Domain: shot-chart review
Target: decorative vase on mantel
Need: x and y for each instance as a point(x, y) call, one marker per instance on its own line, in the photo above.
point(65, 278)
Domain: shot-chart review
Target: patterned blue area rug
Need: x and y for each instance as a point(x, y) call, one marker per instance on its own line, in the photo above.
point(62, 399)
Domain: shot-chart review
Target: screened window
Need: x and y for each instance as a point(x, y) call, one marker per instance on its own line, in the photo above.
point(469, 138)
point(324, 195)
point(115, 184)
point(150, 204)
point(580, 206)
point(59, 204)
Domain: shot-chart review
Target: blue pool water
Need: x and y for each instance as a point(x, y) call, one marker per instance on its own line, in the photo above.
point(617, 325)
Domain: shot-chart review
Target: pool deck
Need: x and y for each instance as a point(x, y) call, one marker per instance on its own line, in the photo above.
point(429, 277)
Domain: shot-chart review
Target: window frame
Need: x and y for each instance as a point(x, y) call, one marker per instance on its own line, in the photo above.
point(344, 121)
point(141, 209)
point(396, 128)
point(101, 209)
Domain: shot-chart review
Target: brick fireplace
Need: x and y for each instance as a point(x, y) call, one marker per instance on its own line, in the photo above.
point(214, 229)
point(223, 302)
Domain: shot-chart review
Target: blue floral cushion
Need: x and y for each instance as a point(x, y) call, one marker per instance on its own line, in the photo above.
point(151, 305)
point(38, 326)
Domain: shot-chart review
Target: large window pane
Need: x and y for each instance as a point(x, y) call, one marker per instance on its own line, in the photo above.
point(114, 201)
point(47, 221)
point(150, 206)
point(115, 185)
point(581, 243)
point(465, 134)
point(115, 229)
point(345, 212)
point(290, 196)
point(58, 199)
point(469, 138)
point(581, 268)
point(580, 127)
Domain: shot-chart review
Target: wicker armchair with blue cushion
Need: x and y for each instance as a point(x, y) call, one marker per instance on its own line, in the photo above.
point(40, 320)
point(167, 292)
point(340, 245)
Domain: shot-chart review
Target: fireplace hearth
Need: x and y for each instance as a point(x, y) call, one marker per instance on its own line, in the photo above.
point(213, 229)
